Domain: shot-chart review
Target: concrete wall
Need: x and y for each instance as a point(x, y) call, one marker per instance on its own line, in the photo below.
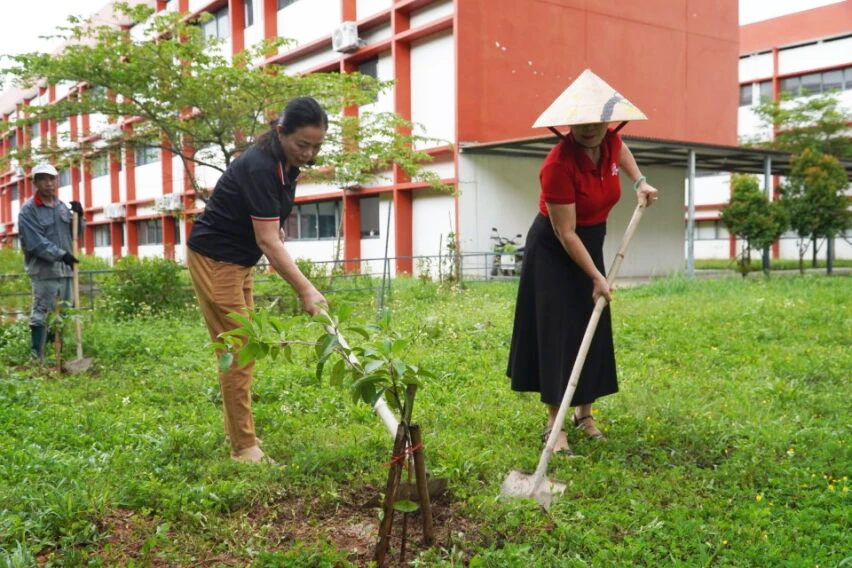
point(502, 192)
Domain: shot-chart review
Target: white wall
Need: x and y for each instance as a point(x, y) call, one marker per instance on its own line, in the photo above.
point(309, 21)
point(149, 181)
point(755, 67)
point(503, 192)
point(820, 55)
point(433, 218)
point(431, 13)
point(311, 60)
point(150, 251)
point(311, 189)
point(365, 8)
point(101, 192)
point(433, 86)
point(316, 250)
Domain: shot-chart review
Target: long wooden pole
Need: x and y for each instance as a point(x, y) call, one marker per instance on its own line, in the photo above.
point(546, 454)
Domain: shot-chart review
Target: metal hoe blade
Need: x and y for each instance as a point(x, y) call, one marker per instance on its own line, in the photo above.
point(519, 484)
point(77, 366)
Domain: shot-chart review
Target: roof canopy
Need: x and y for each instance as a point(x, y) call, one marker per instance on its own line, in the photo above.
point(657, 152)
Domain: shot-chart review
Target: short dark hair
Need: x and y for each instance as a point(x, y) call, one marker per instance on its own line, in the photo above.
point(299, 112)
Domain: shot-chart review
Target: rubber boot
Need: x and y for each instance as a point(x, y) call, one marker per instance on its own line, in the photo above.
point(38, 338)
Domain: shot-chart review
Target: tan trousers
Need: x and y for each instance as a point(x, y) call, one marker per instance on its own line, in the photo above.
point(223, 288)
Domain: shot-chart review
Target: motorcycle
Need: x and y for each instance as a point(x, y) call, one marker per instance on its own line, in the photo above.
point(508, 256)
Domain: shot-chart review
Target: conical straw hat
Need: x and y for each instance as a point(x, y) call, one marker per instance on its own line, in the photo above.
point(588, 100)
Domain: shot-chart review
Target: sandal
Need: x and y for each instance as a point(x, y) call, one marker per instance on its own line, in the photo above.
point(587, 424)
point(565, 452)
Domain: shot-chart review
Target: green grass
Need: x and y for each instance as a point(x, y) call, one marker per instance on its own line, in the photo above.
point(774, 264)
point(728, 443)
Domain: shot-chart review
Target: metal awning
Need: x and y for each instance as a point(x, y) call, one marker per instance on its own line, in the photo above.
point(658, 152)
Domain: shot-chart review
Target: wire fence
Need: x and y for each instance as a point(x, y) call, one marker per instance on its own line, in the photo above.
point(365, 276)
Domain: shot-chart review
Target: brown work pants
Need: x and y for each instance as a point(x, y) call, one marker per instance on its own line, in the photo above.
point(223, 288)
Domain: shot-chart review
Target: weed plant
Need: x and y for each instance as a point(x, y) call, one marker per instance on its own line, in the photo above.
point(728, 443)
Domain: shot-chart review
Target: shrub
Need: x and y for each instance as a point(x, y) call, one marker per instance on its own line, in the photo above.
point(149, 286)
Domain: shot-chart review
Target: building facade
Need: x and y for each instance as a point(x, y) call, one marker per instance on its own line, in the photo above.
point(468, 71)
point(802, 54)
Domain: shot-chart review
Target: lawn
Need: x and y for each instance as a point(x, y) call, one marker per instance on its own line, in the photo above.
point(728, 443)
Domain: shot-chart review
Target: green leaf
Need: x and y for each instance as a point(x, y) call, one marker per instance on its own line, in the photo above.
point(241, 319)
point(387, 347)
point(373, 365)
point(360, 331)
point(216, 346)
point(287, 351)
point(399, 346)
point(247, 354)
point(318, 374)
point(236, 332)
point(399, 367)
point(344, 311)
point(326, 347)
point(225, 362)
point(405, 506)
point(337, 373)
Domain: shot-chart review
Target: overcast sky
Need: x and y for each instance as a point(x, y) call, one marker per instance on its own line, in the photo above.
point(23, 21)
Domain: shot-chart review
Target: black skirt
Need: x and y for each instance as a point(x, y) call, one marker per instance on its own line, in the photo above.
point(553, 309)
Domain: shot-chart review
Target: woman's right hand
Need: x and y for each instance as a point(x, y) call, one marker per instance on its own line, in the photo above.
point(312, 301)
point(601, 288)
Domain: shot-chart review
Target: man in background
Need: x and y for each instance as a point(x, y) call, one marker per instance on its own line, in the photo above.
point(44, 225)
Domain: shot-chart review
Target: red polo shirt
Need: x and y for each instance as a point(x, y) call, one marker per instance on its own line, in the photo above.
point(568, 175)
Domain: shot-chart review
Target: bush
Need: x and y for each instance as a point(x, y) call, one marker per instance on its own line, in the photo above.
point(150, 286)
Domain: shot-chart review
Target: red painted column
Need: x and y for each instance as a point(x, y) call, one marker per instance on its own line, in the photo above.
point(236, 10)
point(188, 192)
point(89, 236)
point(130, 209)
point(351, 232)
point(270, 19)
point(402, 199)
point(115, 197)
point(348, 10)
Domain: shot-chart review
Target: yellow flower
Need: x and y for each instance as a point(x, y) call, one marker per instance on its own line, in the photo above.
point(790, 452)
point(758, 498)
point(845, 489)
point(724, 542)
point(830, 487)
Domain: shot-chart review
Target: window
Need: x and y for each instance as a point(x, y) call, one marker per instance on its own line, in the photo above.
point(65, 177)
point(102, 235)
point(150, 231)
point(249, 6)
point(709, 229)
point(218, 26)
point(790, 85)
point(848, 77)
point(13, 141)
point(370, 68)
point(745, 95)
point(766, 91)
point(99, 165)
point(13, 189)
point(35, 129)
point(146, 155)
point(309, 221)
point(832, 80)
point(175, 221)
point(284, 3)
point(369, 207)
point(811, 83)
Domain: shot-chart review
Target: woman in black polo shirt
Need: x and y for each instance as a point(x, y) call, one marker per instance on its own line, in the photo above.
point(241, 222)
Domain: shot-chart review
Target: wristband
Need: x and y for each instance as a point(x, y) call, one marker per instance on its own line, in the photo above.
point(638, 182)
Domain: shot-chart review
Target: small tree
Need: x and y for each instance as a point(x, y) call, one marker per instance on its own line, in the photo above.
point(752, 217)
point(816, 121)
point(814, 197)
point(199, 103)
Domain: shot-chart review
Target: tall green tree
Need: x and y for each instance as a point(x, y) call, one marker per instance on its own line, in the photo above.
point(751, 217)
point(188, 97)
point(818, 122)
point(814, 196)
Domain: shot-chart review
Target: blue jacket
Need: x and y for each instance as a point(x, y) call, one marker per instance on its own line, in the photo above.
point(45, 234)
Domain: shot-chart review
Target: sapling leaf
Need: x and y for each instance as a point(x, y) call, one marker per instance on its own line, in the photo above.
point(337, 373)
point(318, 374)
point(217, 346)
point(326, 347)
point(360, 331)
point(405, 506)
point(399, 367)
point(373, 365)
point(344, 311)
point(247, 354)
point(237, 331)
point(399, 346)
point(241, 319)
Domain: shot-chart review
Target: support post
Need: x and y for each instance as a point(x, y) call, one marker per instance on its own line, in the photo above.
point(422, 485)
point(394, 476)
point(767, 188)
point(690, 217)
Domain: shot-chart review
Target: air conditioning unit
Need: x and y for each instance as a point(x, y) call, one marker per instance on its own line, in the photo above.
point(114, 211)
point(169, 203)
point(345, 38)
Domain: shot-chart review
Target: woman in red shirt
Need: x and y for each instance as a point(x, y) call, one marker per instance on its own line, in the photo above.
point(563, 272)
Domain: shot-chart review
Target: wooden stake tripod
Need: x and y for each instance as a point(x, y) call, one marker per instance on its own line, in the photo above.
point(407, 444)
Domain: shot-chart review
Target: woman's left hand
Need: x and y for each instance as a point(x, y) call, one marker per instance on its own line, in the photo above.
point(646, 194)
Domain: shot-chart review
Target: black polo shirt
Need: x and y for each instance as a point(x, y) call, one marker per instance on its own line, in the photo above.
point(254, 187)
